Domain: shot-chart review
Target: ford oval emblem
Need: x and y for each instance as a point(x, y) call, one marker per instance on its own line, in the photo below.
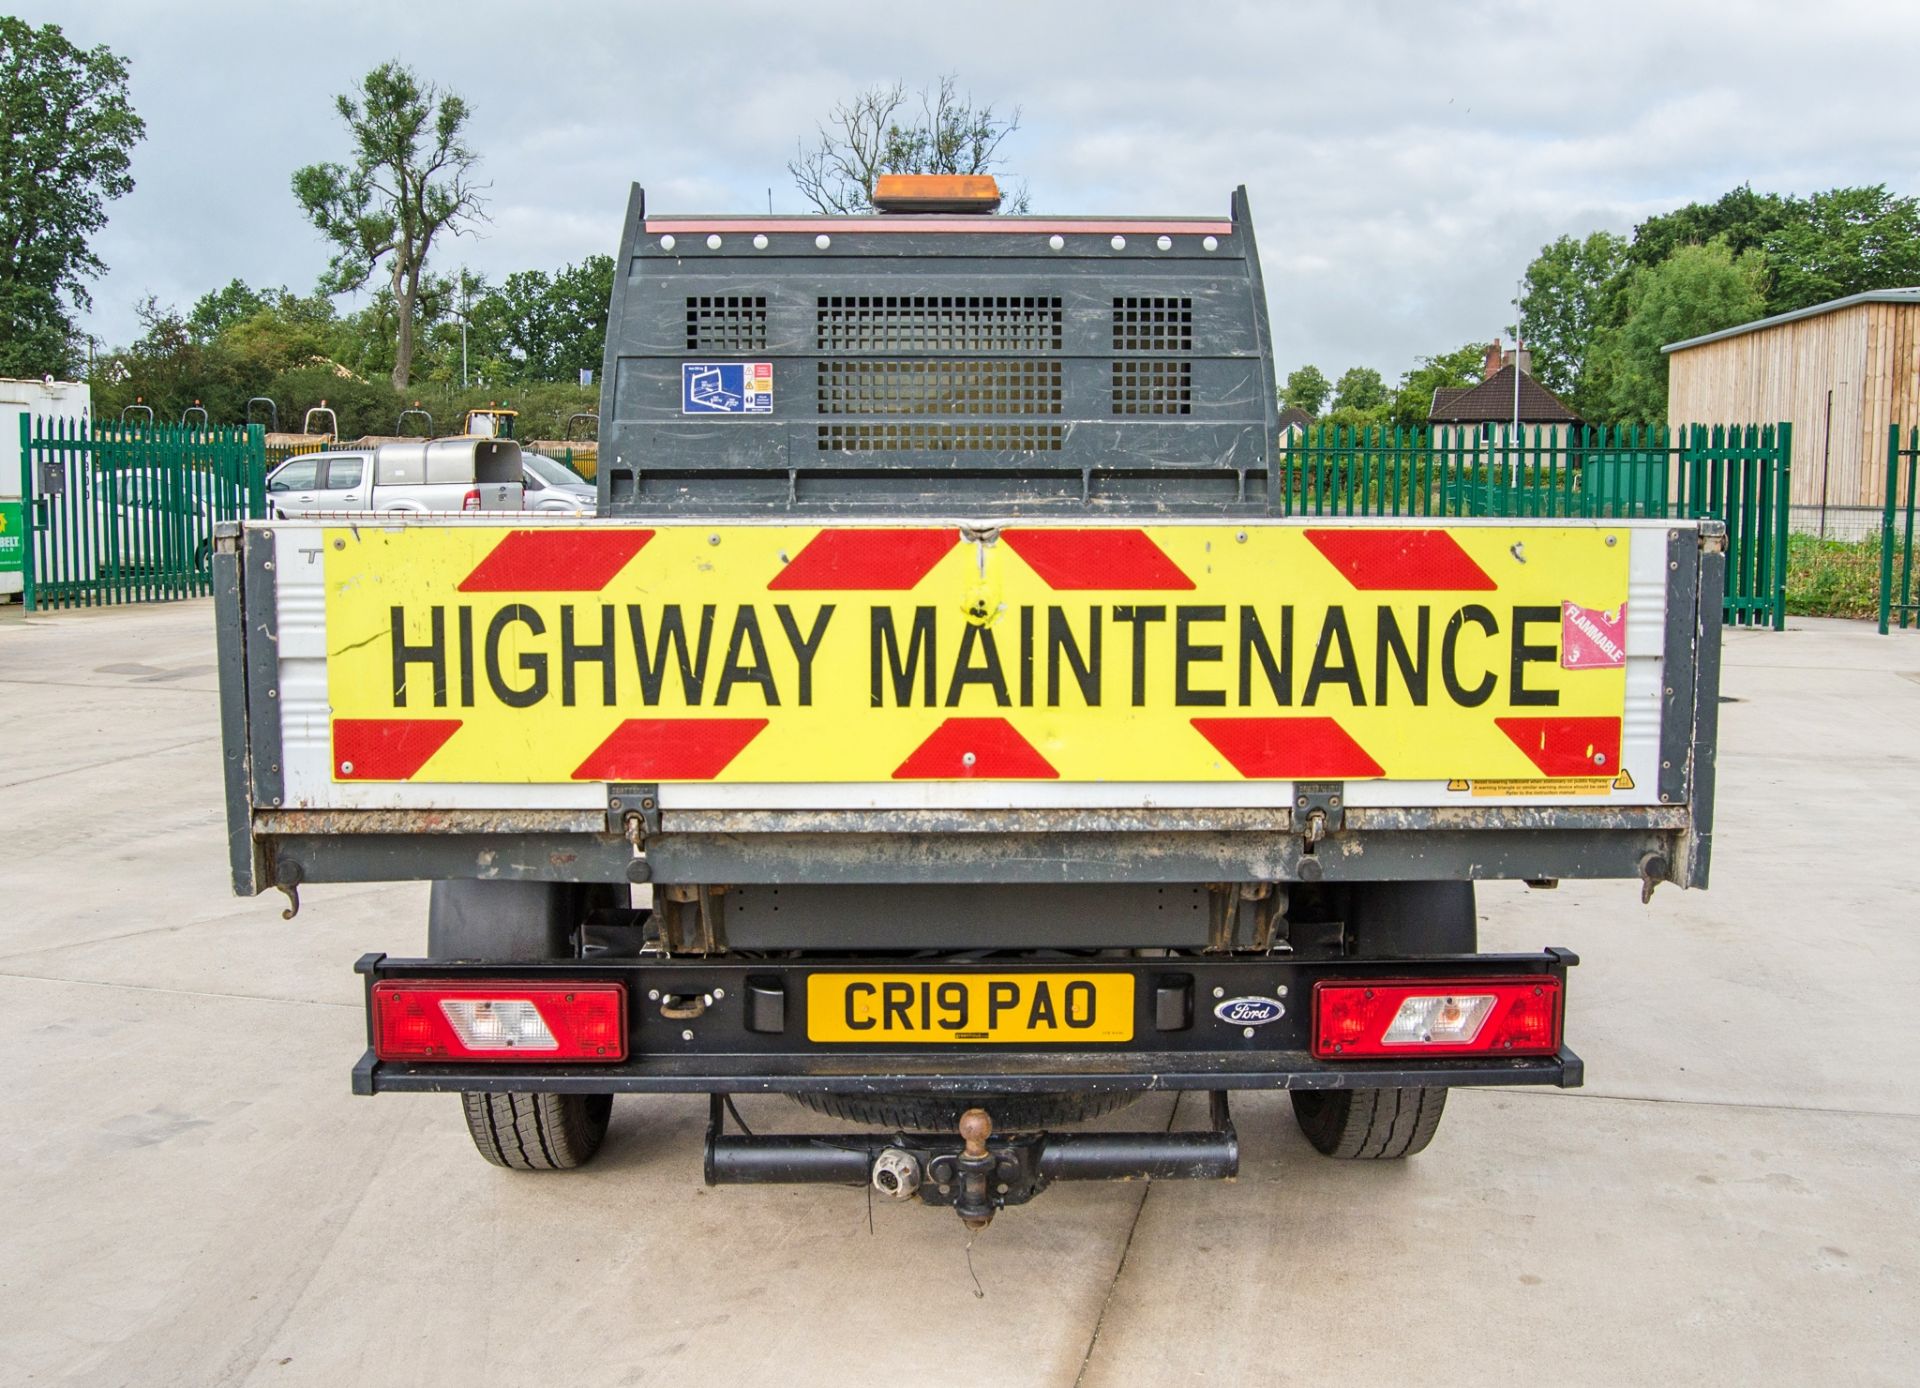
point(1249, 1012)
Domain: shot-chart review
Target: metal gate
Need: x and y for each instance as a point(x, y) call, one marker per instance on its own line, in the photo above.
point(1739, 474)
point(1897, 598)
point(117, 513)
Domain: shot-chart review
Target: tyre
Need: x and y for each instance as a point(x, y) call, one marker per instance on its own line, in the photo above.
point(537, 1132)
point(930, 1113)
point(1387, 920)
point(1369, 1124)
point(521, 922)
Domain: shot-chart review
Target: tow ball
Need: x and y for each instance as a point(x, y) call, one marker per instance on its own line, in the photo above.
point(968, 1175)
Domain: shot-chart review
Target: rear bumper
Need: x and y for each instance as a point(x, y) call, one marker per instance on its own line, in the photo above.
point(743, 1043)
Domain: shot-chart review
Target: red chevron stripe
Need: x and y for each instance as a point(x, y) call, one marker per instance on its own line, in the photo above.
point(1567, 746)
point(1286, 749)
point(1411, 561)
point(387, 749)
point(669, 749)
point(1103, 558)
point(555, 561)
point(882, 560)
point(976, 749)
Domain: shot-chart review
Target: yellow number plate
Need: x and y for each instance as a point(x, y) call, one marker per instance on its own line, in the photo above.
point(969, 1008)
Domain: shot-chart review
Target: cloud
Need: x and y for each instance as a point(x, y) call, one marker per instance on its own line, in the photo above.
point(1404, 161)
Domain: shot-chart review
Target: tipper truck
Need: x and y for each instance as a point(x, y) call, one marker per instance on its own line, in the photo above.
point(947, 721)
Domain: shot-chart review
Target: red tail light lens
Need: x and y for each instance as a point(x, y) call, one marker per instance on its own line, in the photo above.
point(471, 501)
point(519, 1023)
point(1436, 1016)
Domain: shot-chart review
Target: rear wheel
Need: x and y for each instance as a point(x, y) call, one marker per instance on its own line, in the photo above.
point(515, 923)
point(1369, 1124)
point(537, 1132)
point(1388, 920)
point(930, 1113)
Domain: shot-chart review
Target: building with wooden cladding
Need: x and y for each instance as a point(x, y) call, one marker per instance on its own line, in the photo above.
point(1839, 372)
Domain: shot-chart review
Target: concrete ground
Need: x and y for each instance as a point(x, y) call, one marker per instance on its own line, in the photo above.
point(189, 1195)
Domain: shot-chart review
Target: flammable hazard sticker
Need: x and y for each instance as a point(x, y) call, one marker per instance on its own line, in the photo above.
point(855, 654)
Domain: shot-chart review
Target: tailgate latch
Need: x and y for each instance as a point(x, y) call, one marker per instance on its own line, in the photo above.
point(633, 812)
point(1319, 809)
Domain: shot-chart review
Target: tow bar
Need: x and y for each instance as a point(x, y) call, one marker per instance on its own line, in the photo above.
point(975, 1171)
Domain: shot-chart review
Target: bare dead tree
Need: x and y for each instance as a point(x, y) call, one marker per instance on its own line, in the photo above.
point(884, 129)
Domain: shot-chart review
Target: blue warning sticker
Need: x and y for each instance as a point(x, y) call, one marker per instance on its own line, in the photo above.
point(726, 387)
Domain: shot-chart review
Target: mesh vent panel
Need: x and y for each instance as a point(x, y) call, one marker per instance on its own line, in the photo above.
point(1152, 325)
point(939, 387)
point(727, 323)
point(1152, 387)
point(937, 323)
point(940, 438)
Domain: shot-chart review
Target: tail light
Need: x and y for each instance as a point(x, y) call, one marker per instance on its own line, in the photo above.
point(471, 501)
point(490, 1020)
point(1437, 1016)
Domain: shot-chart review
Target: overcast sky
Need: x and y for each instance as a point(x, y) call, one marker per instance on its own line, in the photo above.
point(1404, 161)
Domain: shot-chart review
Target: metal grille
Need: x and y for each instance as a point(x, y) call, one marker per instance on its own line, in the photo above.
point(939, 387)
point(1152, 325)
point(1152, 387)
point(727, 323)
point(940, 438)
point(937, 323)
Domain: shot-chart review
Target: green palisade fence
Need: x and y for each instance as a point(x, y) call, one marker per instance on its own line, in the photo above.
point(119, 513)
point(1739, 474)
point(1896, 531)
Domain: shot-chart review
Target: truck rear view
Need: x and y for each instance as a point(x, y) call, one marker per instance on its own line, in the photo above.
point(947, 722)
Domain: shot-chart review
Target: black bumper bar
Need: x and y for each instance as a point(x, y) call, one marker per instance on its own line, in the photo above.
point(750, 1035)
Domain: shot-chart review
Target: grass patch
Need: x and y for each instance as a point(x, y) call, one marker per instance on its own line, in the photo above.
point(1834, 578)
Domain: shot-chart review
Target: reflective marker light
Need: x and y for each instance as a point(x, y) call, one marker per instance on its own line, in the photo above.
point(425, 1019)
point(1463, 1016)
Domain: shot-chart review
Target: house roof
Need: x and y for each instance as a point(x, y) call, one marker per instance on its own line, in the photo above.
point(1293, 417)
point(1492, 401)
point(1872, 296)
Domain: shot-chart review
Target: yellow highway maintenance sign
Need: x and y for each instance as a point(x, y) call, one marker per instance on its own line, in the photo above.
point(822, 653)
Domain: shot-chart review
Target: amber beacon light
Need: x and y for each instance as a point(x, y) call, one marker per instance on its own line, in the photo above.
point(935, 193)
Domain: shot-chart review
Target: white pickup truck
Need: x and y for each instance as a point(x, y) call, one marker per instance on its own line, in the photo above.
point(405, 478)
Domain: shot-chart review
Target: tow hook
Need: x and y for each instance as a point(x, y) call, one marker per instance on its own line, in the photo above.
point(896, 1174)
point(972, 1197)
point(1653, 871)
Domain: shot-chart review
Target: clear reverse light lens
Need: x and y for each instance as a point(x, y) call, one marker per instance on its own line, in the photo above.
point(1453, 1019)
point(506, 1024)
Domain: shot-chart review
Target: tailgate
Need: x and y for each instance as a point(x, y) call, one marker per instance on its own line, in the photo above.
point(1226, 682)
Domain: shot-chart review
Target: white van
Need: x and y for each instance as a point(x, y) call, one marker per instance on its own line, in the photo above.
point(414, 477)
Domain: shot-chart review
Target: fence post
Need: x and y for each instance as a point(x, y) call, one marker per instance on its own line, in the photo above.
point(27, 470)
point(1886, 527)
point(1782, 505)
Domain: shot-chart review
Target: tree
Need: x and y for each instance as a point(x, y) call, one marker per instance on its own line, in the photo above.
point(1575, 292)
point(1359, 388)
point(1742, 218)
point(877, 133)
point(67, 132)
point(217, 310)
point(1845, 241)
point(1413, 400)
point(1696, 290)
point(548, 327)
point(1307, 388)
point(411, 179)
